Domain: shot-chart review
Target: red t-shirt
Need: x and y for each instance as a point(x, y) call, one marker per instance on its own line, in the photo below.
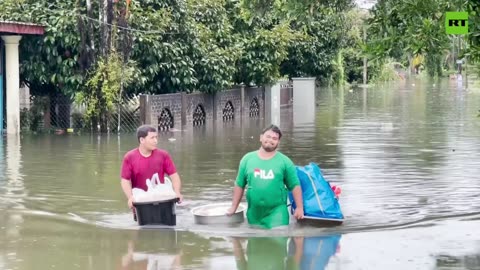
point(138, 168)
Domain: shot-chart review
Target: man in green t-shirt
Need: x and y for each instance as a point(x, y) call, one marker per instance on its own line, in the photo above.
point(268, 174)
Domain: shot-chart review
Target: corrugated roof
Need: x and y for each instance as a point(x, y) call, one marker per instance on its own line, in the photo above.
point(21, 23)
point(21, 28)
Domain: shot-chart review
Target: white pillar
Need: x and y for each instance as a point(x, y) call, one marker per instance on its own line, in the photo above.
point(272, 104)
point(12, 72)
point(303, 100)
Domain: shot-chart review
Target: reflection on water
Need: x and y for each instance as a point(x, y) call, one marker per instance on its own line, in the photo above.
point(285, 253)
point(13, 193)
point(406, 157)
point(137, 257)
point(316, 252)
point(174, 252)
point(303, 103)
point(14, 189)
point(444, 262)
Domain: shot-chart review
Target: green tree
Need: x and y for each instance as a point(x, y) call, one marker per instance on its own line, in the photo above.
point(176, 45)
point(318, 32)
point(316, 53)
point(49, 64)
point(264, 39)
point(218, 49)
point(473, 51)
point(103, 87)
point(403, 29)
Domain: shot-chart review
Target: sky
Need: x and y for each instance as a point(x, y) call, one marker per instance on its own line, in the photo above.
point(365, 3)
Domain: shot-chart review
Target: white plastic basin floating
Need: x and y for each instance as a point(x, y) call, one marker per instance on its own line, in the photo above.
point(217, 214)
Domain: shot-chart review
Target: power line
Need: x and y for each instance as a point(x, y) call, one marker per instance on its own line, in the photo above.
point(117, 26)
point(126, 28)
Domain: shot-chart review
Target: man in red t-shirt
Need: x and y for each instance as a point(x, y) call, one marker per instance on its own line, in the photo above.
point(147, 162)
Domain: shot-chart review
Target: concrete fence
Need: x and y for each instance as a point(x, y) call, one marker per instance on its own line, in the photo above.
point(176, 110)
point(169, 111)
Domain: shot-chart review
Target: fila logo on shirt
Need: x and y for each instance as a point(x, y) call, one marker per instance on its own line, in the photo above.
point(263, 174)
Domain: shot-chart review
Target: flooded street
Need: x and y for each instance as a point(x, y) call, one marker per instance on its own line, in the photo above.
point(407, 157)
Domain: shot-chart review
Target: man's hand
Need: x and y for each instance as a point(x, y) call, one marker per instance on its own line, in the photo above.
point(179, 196)
point(127, 189)
point(231, 211)
point(130, 202)
point(298, 214)
point(297, 196)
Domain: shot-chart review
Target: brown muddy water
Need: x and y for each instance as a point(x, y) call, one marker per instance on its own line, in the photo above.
point(406, 155)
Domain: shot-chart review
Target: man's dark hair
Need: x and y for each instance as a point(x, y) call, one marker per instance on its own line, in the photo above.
point(275, 129)
point(143, 131)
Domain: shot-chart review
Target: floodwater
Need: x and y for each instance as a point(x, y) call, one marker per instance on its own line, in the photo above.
point(406, 155)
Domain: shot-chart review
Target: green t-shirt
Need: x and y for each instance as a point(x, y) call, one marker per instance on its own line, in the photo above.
point(267, 181)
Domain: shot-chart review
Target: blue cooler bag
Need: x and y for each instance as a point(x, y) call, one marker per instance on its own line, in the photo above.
point(319, 200)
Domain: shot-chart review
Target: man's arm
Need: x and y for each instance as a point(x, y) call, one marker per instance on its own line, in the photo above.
point(239, 187)
point(237, 197)
point(293, 184)
point(177, 185)
point(297, 197)
point(170, 169)
point(126, 183)
point(127, 190)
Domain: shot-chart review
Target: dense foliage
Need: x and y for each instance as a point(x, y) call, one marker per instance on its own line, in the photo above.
point(169, 46)
point(415, 29)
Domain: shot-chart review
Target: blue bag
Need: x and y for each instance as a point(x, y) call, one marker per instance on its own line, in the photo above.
point(319, 200)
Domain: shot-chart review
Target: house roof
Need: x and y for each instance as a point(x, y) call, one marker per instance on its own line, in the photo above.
point(21, 28)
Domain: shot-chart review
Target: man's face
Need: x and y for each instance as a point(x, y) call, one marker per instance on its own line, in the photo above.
point(269, 141)
point(150, 141)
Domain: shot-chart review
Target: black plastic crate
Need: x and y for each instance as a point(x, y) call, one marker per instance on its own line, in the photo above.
point(156, 213)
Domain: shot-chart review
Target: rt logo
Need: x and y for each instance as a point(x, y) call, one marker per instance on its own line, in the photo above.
point(456, 23)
